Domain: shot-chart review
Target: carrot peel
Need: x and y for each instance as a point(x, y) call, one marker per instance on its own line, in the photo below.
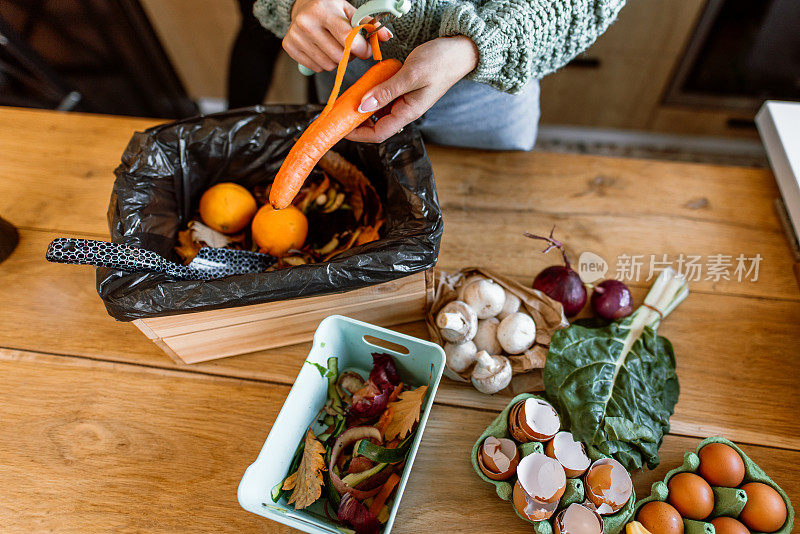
point(383, 494)
point(339, 117)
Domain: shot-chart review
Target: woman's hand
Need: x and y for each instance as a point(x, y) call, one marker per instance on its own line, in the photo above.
point(317, 32)
point(430, 70)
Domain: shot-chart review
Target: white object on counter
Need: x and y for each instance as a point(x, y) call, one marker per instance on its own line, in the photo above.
point(779, 126)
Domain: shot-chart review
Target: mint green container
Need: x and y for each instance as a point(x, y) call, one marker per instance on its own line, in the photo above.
point(575, 492)
point(352, 342)
point(728, 502)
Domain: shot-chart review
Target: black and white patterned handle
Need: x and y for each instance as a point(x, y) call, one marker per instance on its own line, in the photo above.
point(209, 264)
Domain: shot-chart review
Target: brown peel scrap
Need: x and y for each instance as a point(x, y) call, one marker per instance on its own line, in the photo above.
point(406, 413)
point(362, 197)
point(307, 480)
point(187, 248)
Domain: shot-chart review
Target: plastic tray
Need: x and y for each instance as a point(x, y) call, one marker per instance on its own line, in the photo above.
point(728, 502)
point(612, 523)
point(349, 340)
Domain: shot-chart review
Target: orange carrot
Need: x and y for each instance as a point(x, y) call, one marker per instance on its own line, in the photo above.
point(386, 490)
point(385, 419)
point(339, 118)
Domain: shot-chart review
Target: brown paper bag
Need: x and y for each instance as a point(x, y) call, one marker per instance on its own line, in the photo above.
point(547, 313)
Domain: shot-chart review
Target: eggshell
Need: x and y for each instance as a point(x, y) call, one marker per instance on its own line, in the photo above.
point(505, 465)
point(691, 496)
point(578, 519)
point(660, 518)
point(765, 510)
point(608, 485)
point(538, 419)
point(728, 525)
point(721, 465)
point(531, 508)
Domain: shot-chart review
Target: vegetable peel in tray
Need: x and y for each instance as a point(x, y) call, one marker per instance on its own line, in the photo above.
point(615, 384)
point(345, 458)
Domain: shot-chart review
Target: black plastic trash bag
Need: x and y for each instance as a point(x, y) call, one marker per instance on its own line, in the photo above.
point(166, 169)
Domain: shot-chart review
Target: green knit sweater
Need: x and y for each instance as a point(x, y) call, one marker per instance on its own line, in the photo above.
point(517, 39)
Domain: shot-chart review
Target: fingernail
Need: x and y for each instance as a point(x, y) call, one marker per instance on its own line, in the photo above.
point(368, 105)
point(390, 32)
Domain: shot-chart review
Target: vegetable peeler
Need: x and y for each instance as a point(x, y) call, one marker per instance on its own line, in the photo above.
point(210, 263)
point(382, 12)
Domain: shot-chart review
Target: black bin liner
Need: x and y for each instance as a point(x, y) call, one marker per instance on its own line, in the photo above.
point(165, 170)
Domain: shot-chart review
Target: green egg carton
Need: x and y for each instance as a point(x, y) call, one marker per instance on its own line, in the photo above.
point(574, 492)
point(728, 502)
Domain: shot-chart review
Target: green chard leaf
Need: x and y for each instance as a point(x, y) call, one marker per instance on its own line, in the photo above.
point(617, 402)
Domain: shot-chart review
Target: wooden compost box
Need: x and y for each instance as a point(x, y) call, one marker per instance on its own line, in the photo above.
point(209, 335)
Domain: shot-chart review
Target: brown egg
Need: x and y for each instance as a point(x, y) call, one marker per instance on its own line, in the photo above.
point(660, 518)
point(728, 525)
point(721, 465)
point(691, 496)
point(765, 510)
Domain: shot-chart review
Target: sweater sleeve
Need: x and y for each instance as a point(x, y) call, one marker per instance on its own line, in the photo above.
point(274, 15)
point(523, 39)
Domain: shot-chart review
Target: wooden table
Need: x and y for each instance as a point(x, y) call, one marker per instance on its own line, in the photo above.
point(102, 432)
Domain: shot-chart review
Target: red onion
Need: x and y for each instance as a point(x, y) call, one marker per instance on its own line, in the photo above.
point(355, 514)
point(560, 282)
point(611, 300)
point(348, 437)
point(383, 374)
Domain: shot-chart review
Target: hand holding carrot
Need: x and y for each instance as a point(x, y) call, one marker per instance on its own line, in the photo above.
point(430, 70)
point(317, 33)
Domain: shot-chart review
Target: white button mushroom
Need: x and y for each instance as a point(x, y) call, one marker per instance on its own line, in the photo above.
point(491, 373)
point(516, 333)
point(485, 297)
point(465, 282)
point(486, 336)
point(511, 305)
point(457, 322)
point(460, 357)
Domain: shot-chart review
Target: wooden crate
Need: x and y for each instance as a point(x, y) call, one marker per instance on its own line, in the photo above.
point(209, 335)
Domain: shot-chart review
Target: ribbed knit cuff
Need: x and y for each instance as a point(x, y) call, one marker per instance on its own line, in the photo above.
point(274, 15)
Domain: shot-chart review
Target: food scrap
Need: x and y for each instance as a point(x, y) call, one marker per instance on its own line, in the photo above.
point(358, 445)
point(336, 209)
point(547, 473)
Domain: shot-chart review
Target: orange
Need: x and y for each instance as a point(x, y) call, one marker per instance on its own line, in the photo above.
point(227, 207)
point(277, 231)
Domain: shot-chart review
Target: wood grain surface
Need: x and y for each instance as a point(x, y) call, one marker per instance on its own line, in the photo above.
point(159, 450)
point(105, 433)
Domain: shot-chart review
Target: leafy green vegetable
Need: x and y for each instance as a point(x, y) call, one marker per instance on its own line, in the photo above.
point(615, 385)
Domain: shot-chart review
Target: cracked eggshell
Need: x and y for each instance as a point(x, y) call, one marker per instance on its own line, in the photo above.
point(538, 419)
point(570, 454)
point(485, 297)
point(542, 478)
point(498, 458)
point(486, 336)
point(608, 485)
point(578, 519)
point(529, 507)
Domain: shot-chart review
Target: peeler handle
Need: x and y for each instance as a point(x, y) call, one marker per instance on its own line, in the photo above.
point(104, 254)
point(395, 8)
